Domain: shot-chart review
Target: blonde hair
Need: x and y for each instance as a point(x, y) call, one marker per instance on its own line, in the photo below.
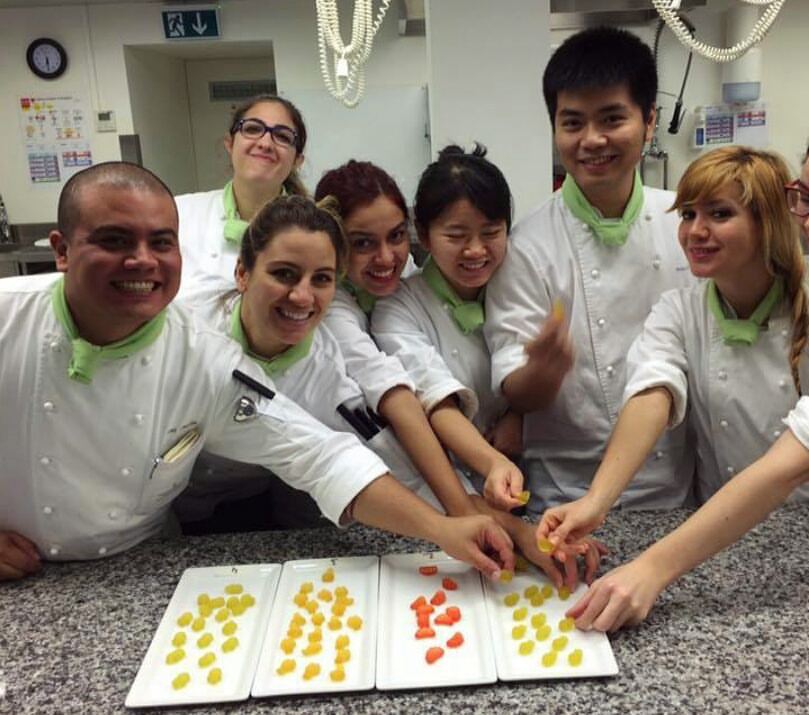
point(760, 176)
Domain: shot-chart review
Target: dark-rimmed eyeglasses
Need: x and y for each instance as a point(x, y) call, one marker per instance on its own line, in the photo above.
point(798, 198)
point(253, 129)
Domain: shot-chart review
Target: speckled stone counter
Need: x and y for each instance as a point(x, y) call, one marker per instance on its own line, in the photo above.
point(733, 636)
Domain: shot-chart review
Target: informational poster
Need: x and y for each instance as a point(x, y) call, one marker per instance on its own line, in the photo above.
point(56, 137)
point(722, 124)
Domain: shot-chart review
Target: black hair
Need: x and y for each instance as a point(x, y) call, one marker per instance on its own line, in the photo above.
point(118, 174)
point(602, 57)
point(292, 211)
point(457, 175)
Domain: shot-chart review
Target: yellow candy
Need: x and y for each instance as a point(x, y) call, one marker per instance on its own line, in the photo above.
point(300, 600)
point(230, 644)
point(328, 575)
point(222, 615)
point(342, 642)
point(307, 587)
point(506, 576)
point(229, 628)
point(178, 640)
point(526, 647)
point(566, 624)
point(214, 676)
point(287, 666)
point(517, 632)
point(312, 649)
point(545, 545)
point(311, 671)
point(345, 601)
point(312, 606)
point(237, 609)
point(537, 600)
point(564, 593)
point(175, 656)
point(294, 632)
point(341, 592)
point(547, 591)
point(185, 619)
point(248, 600)
point(511, 599)
point(204, 640)
point(339, 608)
point(316, 636)
point(198, 624)
point(181, 681)
point(531, 591)
point(337, 675)
point(538, 620)
point(549, 658)
point(343, 655)
point(575, 657)
point(205, 610)
point(233, 602)
point(202, 599)
point(288, 645)
point(335, 624)
point(318, 618)
point(543, 633)
point(520, 613)
point(297, 620)
point(558, 309)
point(234, 588)
point(520, 563)
point(560, 643)
point(354, 622)
point(324, 594)
point(218, 602)
point(206, 660)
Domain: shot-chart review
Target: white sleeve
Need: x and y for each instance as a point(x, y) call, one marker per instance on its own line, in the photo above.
point(657, 357)
point(373, 370)
point(332, 467)
point(396, 329)
point(517, 305)
point(798, 421)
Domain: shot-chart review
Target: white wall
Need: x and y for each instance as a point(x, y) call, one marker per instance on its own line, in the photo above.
point(485, 61)
point(159, 100)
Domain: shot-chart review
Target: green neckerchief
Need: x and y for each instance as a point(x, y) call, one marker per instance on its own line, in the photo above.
point(276, 364)
point(235, 225)
point(744, 332)
point(610, 231)
point(365, 300)
point(468, 315)
point(86, 356)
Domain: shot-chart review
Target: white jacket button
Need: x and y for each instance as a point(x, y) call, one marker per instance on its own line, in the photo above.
point(48, 406)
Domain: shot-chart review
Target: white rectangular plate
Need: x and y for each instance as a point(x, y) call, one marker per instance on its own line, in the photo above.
point(597, 656)
point(153, 683)
point(360, 576)
point(400, 660)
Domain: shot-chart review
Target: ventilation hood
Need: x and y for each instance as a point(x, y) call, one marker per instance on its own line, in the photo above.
point(577, 14)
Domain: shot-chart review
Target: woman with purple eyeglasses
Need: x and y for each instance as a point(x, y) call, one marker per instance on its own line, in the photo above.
point(265, 142)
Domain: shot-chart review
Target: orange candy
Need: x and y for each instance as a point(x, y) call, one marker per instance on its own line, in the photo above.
point(443, 620)
point(449, 584)
point(425, 608)
point(438, 598)
point(425, 633)
point(423, 620)
point(420, 601)
point(428, 570)
point(433, 654)
point(454, 613)
point(455, 641)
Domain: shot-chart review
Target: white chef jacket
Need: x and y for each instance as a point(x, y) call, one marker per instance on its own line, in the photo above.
point(206, 253)
point(417, 326)
point(318, 383)
point(81, 476)
point(798, 421)
point(607, 292)
point(373, 370)
point(736, 396)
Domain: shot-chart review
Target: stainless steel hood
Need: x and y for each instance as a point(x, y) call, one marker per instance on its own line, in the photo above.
point(576, 14)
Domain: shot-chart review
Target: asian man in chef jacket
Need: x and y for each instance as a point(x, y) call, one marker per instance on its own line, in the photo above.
point(114, 392)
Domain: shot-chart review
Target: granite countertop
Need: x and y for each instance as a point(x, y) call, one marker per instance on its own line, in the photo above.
point(729, 637)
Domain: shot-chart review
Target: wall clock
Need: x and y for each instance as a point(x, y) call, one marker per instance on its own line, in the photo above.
point(46, 58)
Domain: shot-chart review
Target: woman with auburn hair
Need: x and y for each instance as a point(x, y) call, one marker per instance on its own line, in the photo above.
point(727, 352)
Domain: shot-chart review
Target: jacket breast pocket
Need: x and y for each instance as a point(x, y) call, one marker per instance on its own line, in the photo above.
point(169, 476)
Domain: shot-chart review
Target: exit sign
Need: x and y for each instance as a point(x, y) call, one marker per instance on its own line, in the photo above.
point(184, 24)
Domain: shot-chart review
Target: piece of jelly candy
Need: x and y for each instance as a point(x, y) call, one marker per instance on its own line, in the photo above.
point(538, 620)
point(443, 619)
point(454, 613)
point(438, 598)
point(335, 624)
point(523, 497)
point(234, 588)
point(566, 624)
point(315, 636)
point(230, 644)
point(185, 619)
point(204, 640)
point(456, 641)
point(229, 628)
point(202, 599)
point(575, 657)
point(449, 584)
point(559, 643)
point(526, 647)
point(312, 649)
point(311, 671)
point(564, 593)
point(518, 632)
point(287, 666)
point(433, 654)
point(222, 615)
point(198, 624)
point(425, 633)
point(537, 600)
point(420, 601)
point(506, 576)
point(545, 545)
point(549, 658)
point(206, 660)
point(343, 655)
point(354, 623)
point(337, 675)
point(511, 599)
point(318, 618)
point(288, 645)
point(307, 587)
point(342, 641)
point(543, 633)
point(558, 309)
point(520, 613)
point(547, 591)
point(215, 676)
point(328, 575)
point(178, 640)
point(531, 591)
point(324, 594)
point(181, 681)
point(175, 656)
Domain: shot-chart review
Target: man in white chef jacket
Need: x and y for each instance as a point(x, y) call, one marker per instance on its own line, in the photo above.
point(582, 273)
point(114, 391)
